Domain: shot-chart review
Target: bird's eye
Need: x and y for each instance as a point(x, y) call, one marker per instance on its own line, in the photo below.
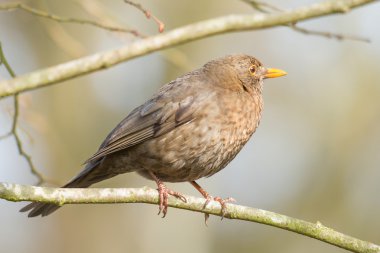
point(252, 69)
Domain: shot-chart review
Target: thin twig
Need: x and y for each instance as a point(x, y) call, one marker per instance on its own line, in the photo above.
point(261, 6)
point(266, 8)
point(329, 35)
point(4, 136)
point(13, 130)
point(62, 196)
point(148, 14)
point(43, 14)
point(4, 61)
point(96, 9)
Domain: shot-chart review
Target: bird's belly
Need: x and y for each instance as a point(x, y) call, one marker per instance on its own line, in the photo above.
point(195, 150)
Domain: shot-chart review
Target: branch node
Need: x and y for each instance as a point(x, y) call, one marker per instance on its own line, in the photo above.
point(148, 14)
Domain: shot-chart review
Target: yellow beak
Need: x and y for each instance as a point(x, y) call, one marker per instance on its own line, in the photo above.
point(272, 73)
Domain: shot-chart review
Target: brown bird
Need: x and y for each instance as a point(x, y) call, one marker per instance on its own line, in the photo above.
point(192, 128)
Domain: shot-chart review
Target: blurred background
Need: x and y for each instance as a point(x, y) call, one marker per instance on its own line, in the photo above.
point(315, 155)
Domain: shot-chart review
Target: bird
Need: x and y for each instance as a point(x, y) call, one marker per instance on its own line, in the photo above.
point(190, 129)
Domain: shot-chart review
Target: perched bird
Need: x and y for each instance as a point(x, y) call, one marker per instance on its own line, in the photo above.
point(192, 128)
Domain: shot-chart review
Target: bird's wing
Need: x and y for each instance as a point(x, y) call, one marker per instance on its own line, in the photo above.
point(154, 118)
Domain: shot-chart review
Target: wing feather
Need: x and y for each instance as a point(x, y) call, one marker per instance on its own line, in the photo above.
point(154, 118)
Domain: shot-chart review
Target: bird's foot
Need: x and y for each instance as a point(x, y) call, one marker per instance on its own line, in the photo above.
point(208, 198)
point(222, 202)
point(164, 192)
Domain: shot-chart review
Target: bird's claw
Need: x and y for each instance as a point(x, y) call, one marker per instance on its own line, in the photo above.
point(222, 202)
point(208, 198)
point(163, 193)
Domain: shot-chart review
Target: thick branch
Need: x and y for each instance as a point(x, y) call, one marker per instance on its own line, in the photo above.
point(174, 37)
point(60, 196)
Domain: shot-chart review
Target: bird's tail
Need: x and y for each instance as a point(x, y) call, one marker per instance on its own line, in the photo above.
point(89, 175)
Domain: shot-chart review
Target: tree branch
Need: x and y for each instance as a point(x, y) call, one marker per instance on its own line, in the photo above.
point(13, 131)
point(98, 9)
point(232, 23)
point(264, 7)
point(61, 196)
point(43, 14)
point(329, 35)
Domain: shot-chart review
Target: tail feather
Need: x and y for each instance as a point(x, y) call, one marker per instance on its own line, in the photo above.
point(37, 209)
point(87, 177)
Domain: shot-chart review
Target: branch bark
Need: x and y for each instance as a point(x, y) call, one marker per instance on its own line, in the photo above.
point(232, 23)
point(60, 196)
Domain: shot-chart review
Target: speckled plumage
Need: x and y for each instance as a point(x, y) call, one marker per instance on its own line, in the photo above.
point(192, 128)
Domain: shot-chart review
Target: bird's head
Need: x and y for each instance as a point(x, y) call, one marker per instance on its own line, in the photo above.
point(240, 72)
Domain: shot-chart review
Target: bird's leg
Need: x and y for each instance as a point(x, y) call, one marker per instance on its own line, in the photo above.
point(208, 198)
point(163, 193)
